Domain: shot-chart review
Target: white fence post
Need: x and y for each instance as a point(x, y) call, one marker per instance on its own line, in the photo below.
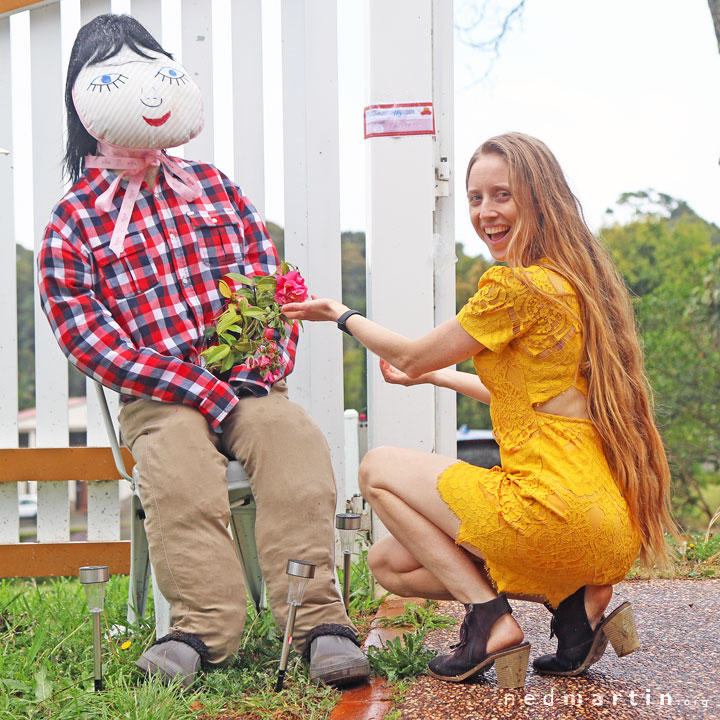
point(51, 391)
point(312, 200)
point(401, 193)
point(9, 522)
point(444, 218)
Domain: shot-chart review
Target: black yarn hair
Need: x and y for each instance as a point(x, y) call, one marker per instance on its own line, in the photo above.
point(102, 38)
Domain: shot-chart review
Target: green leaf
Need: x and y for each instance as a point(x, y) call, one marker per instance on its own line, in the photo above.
point(209, 332)
point(43, 686)
point(247, 293)
point(216, 353)
point(225, 290)
point(253, 312)
point(237, 277)
point(227, 320)
point(228, 362)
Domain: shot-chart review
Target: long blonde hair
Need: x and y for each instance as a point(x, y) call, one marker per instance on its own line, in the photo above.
point(550, 225)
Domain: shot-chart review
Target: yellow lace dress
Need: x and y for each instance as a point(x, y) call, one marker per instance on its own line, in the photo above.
point(552, 518)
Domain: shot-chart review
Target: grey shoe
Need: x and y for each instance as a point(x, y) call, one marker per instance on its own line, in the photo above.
point(337, 660)
point(171, 660)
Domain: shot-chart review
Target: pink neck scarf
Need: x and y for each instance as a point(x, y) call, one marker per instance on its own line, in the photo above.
point(134, 164)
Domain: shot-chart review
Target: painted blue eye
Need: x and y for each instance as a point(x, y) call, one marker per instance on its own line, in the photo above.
point(107, 81)
point(174, 76)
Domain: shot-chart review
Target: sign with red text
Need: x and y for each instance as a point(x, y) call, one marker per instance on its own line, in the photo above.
point(399, 119)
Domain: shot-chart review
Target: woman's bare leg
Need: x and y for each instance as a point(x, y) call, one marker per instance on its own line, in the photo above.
point(401, 487)
point(399, 571)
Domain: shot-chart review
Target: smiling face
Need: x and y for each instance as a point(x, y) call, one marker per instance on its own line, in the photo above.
point(493, 211)
point(135, 102)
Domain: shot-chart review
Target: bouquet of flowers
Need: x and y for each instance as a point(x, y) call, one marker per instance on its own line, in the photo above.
point(245, 328)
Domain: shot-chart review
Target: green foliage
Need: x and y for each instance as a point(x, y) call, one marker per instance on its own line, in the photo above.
point(404, 657)
point(353, 295)
point(421, 618)
point(25, 278)
point(239, 329)
point(667, 259)
point(46, 664)
point(468, 272)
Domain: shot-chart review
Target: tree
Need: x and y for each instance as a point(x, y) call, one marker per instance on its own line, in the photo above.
point(468, 271)
point(666, 256)
point(715, 13)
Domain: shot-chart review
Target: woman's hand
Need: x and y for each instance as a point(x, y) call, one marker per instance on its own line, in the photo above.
point(314, 310)
point(397, 377)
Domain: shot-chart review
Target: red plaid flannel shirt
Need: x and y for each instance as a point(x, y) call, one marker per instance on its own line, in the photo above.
point(135, 323)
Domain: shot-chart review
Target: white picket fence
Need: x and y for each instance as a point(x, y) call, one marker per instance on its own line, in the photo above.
point(414, 64)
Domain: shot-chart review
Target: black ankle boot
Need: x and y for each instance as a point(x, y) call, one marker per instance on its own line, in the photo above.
point(579, 646)
point(469, 657)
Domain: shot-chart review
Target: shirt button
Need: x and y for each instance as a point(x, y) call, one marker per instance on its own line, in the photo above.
point(214, 220)
point(186, 281)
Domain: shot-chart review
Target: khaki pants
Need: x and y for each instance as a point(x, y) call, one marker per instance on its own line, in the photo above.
point(184, 492)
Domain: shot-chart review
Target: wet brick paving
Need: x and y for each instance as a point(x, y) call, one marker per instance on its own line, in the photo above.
point(674, 675)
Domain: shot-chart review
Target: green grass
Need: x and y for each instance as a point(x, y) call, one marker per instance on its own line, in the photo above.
point(694, 558)
point(46, 665)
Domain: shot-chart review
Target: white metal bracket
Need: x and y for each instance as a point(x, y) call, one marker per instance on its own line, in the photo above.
point(442, 178)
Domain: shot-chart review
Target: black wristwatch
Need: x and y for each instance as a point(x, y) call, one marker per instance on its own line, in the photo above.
point(343, 319)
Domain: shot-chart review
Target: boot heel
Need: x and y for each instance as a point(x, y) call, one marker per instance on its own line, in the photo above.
point(511, 668)
point(621, 631)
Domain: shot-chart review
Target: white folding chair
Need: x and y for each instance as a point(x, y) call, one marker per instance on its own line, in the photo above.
point(242, 524)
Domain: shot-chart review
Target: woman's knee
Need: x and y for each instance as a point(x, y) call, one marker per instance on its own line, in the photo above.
point(380, 560)
point(373, 468)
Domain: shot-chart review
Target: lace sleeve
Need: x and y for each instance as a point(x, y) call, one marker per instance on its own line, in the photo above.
point(502, 309)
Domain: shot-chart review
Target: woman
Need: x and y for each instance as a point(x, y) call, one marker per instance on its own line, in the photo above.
point(584, 479)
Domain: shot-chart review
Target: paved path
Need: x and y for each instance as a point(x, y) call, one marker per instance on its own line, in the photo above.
point(675, 674)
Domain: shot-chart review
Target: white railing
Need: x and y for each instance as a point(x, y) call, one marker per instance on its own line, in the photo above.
point(211, 38)
point(409, 56)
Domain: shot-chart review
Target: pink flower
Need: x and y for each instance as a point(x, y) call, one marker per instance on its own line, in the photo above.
point(263, 362)
point(271, 376)
point(290, 288)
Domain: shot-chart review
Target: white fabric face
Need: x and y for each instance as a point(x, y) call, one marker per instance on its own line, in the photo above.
point(132, 102)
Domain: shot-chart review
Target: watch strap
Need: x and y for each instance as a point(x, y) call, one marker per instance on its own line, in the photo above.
point(343, 319)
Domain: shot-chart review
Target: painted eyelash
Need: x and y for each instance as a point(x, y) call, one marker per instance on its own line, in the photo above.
point(180, 79)
point(119, 80)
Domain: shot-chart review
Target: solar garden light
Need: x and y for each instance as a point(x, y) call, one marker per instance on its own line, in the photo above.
point(94, 577)
point(347, 524)
point(299, 572)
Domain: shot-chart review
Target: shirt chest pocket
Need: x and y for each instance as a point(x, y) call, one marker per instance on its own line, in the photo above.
point(219, 237)
point(133, 273)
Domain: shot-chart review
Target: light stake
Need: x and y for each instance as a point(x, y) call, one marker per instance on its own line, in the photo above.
point(347, 524)
point(299, 572)
point(94, 577)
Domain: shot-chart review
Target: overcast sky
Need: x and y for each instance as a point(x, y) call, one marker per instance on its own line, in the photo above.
point(625, 92)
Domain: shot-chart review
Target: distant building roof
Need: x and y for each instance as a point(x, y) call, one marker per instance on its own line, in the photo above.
point(77, 416)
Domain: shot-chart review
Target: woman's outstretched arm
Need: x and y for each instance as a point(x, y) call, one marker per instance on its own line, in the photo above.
point(448, 344)
point(462, 382)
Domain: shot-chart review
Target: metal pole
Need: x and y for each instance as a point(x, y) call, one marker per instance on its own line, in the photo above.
point(347, 556)
point(287, 642)
point(97, 654)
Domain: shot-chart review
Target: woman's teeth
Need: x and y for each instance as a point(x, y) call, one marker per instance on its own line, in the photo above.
point(498, 232)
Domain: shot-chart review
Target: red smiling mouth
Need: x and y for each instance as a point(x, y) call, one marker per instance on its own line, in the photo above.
point(157, 122)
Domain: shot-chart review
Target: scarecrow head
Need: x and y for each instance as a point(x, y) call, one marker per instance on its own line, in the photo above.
point(125, 90)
